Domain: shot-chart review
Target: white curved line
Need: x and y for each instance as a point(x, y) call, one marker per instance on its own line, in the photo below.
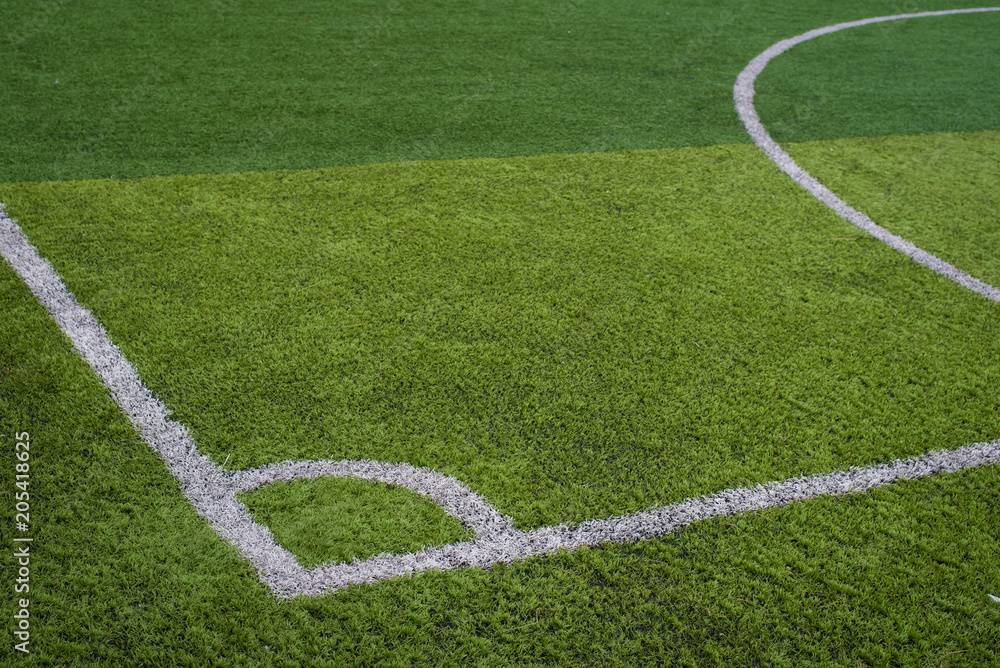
point(212, 490)
point(505, 548)
point(454, 498)
point(743, 93)
point(209, 488)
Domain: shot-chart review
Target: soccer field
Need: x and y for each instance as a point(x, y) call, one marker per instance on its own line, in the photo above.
point(485, 334)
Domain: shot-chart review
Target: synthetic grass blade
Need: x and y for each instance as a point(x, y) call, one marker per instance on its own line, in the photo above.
point(743, 93)
point(208, 487)
point(212, 490)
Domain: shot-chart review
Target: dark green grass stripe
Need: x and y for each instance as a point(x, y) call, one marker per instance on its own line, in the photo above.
point(937, 73)
point(183, 86)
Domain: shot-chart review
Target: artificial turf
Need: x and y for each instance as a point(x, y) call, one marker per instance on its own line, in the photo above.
point(125, 573)
point(338, 520)
point(939, 191)
point(572, 334)
point(913, 76)
point(103, 89)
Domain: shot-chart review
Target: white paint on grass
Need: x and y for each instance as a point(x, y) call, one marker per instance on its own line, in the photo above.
point(508, 544)
point(743, 94)
point(212, 490)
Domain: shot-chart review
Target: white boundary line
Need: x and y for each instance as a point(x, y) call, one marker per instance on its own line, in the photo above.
point(212, 490)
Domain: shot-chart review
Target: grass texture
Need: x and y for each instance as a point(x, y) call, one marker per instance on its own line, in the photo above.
point(126, 574)
point(911, 76)
point(342, 519)
point(188, 86)
point(528, 245)
point(572, 336)
point(940, 191)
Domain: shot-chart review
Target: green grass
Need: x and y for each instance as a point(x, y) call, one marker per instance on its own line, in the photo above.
point(572, 336)
point(939, 191)
point(127, 574)
point(342, 519)
point(528, 245)
point(900, 77)
point(149, 87)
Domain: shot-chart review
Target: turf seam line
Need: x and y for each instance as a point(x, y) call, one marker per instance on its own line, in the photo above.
point(743, 94)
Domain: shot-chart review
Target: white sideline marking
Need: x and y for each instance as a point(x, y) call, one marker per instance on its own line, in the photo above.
point(212, 490)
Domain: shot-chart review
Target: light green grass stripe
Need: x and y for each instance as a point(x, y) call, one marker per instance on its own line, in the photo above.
point(338, 520)
point(939, 191)
point(573, 336)
point(210, 489)
point(127, 573)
